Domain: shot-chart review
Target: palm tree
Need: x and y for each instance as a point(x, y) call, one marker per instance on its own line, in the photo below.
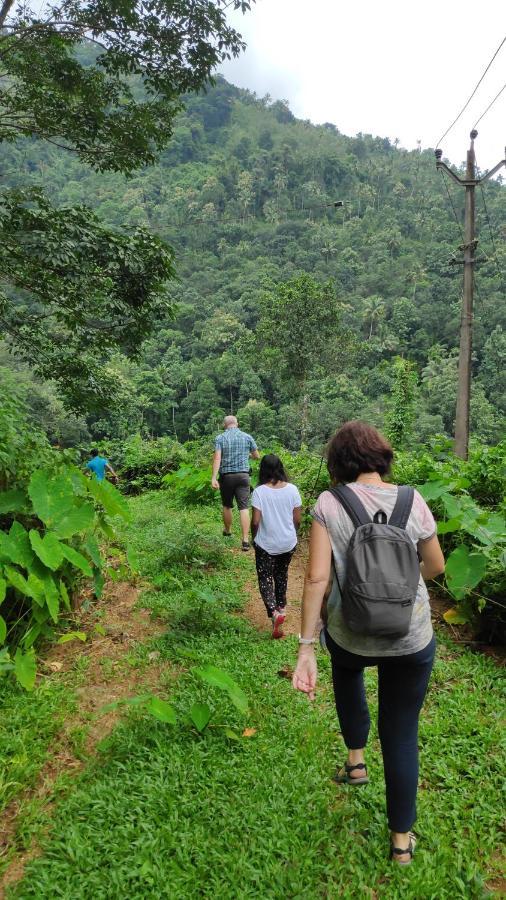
point(373, 310)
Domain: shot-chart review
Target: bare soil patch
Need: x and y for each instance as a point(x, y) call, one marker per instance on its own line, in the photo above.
point(107, 679)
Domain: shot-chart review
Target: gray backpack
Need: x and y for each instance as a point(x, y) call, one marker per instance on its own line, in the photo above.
point(382, 568)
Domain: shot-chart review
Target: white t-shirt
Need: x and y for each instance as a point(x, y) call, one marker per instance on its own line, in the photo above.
point(276, 533)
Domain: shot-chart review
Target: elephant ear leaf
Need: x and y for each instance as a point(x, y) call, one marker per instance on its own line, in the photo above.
point(25, 668)
point(464, 570)
point(52, 496)
point(48, 549)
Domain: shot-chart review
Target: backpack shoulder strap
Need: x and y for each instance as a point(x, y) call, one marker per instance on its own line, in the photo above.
point(351, 504)
point(402, 508)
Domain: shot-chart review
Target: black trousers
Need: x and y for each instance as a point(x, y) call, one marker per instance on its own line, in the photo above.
point(272, 574)
point(402, 685)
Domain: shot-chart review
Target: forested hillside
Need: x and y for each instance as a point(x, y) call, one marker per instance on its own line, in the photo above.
point(246, 195)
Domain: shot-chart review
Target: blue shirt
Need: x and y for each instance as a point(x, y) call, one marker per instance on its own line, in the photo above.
point(98, 466)
point(235, 446)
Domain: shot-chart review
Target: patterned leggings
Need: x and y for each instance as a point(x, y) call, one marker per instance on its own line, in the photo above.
point(272, 574)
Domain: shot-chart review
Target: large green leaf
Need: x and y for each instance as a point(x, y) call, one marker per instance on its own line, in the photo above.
point(161, 710)
point(106, 494)
point(32, 634)
point(432, 490)
point(449, 526)
point(222, 680)
point(464, 570)
point(15, 546)
point(200, 714)
point(51, 590)
point(52, 496)
point(13, 501)
point(48, 549)
point(3, 589)
point(74, 520)
point(77, 559)
point(36, 589)
point(64, 594)
point(93, 550)
point(17, 580)
point(21, 544)
point(25, 668)
point(3, 630)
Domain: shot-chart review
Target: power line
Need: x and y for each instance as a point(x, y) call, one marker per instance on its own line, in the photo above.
point(491, 232)
point(490, 105)
point(489, 223)
point(466, 104)
point(459, 224)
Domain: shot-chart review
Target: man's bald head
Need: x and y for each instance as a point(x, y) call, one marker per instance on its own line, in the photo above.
point(230, 422)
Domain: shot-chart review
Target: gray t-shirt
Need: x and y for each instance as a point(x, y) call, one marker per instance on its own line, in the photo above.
point(421, 526)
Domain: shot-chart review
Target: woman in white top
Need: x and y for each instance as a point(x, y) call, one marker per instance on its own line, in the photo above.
point(275, 519)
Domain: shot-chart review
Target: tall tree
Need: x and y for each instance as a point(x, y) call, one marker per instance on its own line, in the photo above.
point(104, 80)
point(300, 321)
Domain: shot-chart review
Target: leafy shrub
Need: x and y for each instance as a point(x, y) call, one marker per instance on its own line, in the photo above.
point(191, 485)
point(22, 447)
point(141, 464)
point(49, 539)
point(474, 543)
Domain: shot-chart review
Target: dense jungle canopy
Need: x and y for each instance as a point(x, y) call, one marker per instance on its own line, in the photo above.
point(246, 196)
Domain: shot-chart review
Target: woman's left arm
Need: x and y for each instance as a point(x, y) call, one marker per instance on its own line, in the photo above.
point(256, 515)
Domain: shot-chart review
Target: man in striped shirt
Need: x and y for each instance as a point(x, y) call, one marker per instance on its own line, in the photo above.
point(232, 451)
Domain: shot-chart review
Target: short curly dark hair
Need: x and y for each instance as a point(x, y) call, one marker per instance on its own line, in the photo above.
point(355, 448)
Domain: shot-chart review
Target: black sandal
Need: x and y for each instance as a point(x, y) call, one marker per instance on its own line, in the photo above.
point(345, 778)
point(399, 851)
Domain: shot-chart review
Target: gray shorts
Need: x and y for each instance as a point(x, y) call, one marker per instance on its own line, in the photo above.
point(235, 484)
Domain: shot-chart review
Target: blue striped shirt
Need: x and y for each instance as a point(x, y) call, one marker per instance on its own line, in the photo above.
point(235, 446)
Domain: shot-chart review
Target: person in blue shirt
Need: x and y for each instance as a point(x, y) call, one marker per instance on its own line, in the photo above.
point(232, 451)
point(99, 465)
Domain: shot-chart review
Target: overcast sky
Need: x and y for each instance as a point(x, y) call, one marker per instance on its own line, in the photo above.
point(394, 68)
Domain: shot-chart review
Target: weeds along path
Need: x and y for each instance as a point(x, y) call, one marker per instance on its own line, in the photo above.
point(247, 809)
point(107, 669)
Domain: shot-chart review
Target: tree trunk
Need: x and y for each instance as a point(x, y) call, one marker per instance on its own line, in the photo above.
point(5, 10)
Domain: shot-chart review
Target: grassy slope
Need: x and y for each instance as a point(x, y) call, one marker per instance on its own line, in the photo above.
point(165, 813)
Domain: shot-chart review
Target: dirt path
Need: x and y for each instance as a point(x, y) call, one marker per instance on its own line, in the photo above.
point(254, 610)
point(108, 678)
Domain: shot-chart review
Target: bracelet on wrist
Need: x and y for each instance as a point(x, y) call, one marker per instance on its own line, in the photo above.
point(306, 641)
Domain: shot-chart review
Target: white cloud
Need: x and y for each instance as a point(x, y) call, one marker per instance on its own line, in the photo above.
point(395, 68)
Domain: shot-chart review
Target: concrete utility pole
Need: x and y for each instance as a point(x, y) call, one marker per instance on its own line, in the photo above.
point(461, 444)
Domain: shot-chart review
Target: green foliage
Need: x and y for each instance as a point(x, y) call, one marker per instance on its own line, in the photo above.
point(401, 404)
point(191, 485)
point(55, 87)
point(86, 289)
point(476, 537)
point(143, 463)
point(146, 814)
point(46, 541)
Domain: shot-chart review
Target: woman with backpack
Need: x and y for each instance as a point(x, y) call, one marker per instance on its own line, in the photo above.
point(275, 519)
point(378, 614)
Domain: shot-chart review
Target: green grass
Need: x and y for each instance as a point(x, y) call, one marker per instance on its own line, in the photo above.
point(165, 813)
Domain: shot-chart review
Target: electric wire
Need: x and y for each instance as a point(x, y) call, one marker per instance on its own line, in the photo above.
point(489, 224)
point(466, 104)
point(490, 105)
point(492, 238)
point(459, 223)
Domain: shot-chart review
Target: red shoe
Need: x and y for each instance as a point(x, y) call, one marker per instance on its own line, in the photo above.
point(278, 618)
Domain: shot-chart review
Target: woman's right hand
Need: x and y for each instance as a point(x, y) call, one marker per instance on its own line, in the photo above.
point(306, 671)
